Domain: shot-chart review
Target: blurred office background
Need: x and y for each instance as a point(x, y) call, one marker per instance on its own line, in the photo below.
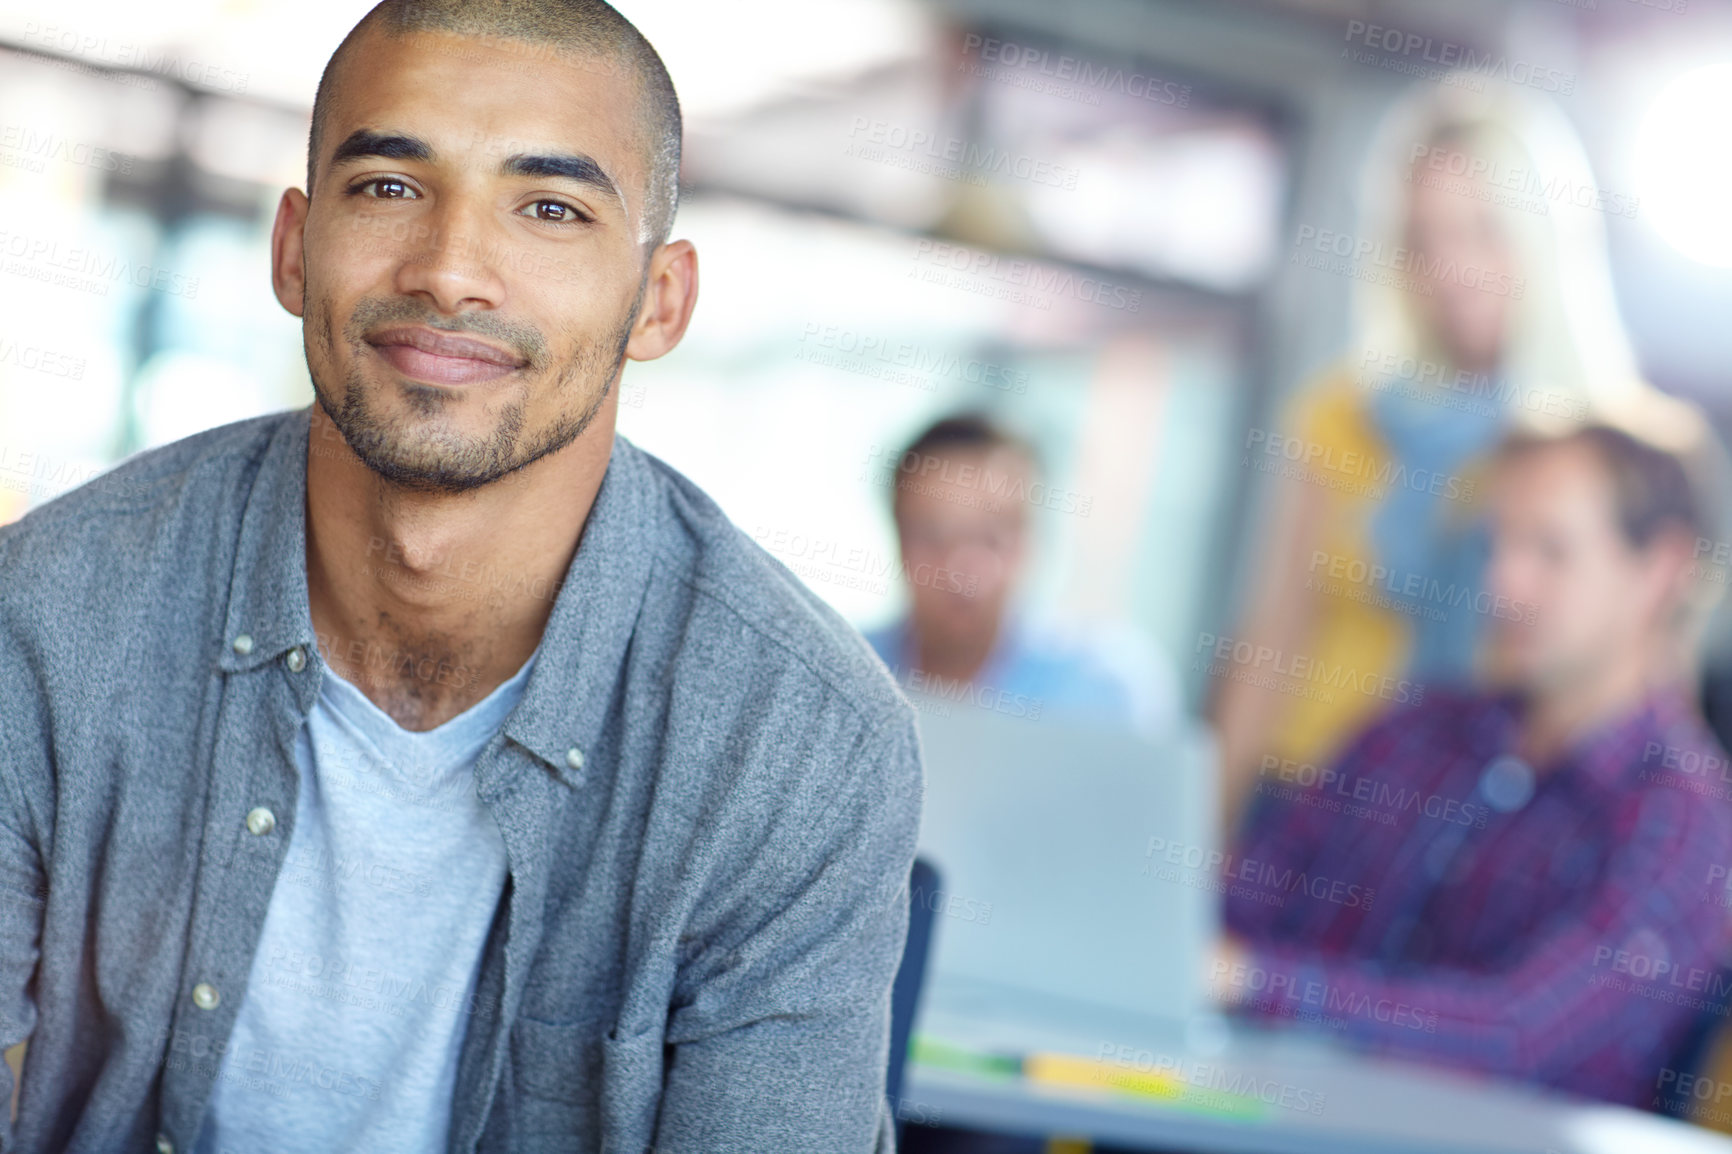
point(1081, 216)
point(903, 207)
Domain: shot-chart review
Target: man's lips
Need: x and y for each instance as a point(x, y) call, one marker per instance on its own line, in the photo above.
point(429, 355)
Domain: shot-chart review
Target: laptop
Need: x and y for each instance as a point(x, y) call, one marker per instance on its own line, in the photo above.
point(1055, 843)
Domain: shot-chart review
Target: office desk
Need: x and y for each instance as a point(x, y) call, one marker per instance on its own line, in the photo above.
point(1297, 1094)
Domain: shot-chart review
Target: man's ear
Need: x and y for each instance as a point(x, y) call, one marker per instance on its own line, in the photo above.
point(288, 270)
point(1671, 570)
point(670, 294)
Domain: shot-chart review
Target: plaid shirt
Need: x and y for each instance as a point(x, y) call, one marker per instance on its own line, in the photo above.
point(1568, 928)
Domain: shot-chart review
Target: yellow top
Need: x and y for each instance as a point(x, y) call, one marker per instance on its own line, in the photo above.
point(1352, 627)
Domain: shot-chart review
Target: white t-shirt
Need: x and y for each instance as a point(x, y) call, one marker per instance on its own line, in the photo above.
point(364, 979)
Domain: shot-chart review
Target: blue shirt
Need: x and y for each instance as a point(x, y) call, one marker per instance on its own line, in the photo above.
point(364, 979)
point(1033, 673)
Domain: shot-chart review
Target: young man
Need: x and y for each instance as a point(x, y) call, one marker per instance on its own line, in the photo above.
point(433, 770)
point(1520, 881)
point(963, 489)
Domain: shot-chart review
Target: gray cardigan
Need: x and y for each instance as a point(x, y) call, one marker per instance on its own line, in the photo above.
point(709, 797)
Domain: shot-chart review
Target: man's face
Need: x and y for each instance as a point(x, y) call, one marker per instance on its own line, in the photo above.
point(963, 534)
point(1557, 547)
point(472, 262)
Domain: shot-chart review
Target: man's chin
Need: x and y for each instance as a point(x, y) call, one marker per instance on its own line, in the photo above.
point(424, 476)
point(428, 455)
point(441, 439)
point(1512, 671)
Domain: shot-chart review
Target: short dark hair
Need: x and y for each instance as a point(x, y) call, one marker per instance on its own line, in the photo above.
point(1652, 486)
point(968, 432)
point(585, 28)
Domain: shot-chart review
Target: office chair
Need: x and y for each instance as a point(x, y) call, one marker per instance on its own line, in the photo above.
point(905, 994)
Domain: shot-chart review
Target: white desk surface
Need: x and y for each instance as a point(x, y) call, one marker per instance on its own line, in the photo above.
point(1369, 1106)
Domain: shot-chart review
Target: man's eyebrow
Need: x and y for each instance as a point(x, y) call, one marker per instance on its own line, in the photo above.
point(570, 166)
point(389, 145)
point(577, 167)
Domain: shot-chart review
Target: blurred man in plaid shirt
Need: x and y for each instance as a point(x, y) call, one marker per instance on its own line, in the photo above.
point(1525, 880)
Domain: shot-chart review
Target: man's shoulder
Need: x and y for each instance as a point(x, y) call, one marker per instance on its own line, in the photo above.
point(1442, 705)
point(1436, 721)
point(779, 621)
point(115, 521)
point(1675, 752)
point(159, 477)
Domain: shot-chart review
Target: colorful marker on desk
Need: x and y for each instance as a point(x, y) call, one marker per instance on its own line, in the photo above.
point(931, 1052)
point(1072, 1071)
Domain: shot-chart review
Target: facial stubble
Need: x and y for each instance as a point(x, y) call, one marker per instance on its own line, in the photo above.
point(409, 454)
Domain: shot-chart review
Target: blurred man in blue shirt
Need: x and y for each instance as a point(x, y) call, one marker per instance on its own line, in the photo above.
point(961, 495)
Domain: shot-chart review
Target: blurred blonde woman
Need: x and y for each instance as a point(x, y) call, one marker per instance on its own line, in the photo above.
point(1485, 305)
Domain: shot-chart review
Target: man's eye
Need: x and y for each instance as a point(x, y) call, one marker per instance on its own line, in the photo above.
point(385, 189)
point(554, 212)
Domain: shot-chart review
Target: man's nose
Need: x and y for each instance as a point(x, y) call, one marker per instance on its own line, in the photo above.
point(455, 263)
point(974, 558)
